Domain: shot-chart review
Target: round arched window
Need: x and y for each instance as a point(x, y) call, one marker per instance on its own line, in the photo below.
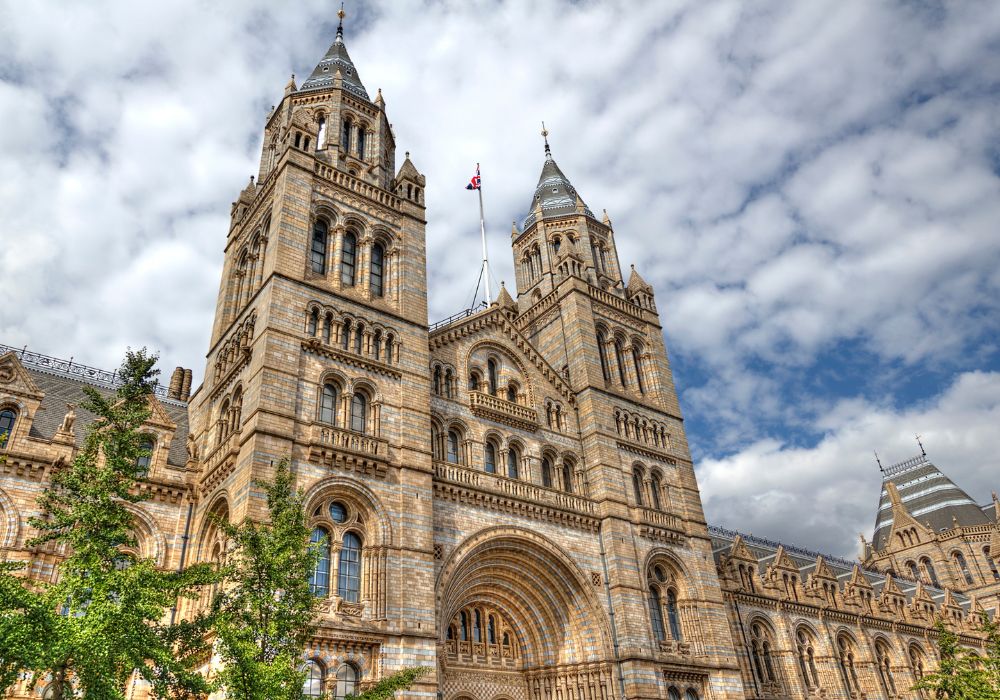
point(338, 512)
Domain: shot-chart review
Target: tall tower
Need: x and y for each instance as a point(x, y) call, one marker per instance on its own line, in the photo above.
point(605, 335)
point(319, 354)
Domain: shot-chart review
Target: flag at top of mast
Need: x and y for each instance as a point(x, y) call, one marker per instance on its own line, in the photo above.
point(476, 181)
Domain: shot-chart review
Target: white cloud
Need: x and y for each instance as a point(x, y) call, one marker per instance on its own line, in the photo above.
point(793, 178)
point(830, 490)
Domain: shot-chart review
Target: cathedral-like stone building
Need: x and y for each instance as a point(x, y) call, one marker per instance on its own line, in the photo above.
point(507, 496)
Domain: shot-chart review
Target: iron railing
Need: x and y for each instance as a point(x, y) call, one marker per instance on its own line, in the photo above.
point(73, 370)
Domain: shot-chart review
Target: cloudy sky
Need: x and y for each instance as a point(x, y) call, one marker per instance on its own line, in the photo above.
point(813, 188)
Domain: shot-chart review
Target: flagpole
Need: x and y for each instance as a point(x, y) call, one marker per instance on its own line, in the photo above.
point(482, 230)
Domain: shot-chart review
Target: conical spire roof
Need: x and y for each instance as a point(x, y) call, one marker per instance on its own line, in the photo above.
point(555, 194)
point(927, 495)
point(336, 59)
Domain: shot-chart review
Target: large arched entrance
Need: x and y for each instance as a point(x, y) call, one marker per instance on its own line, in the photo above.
point(518, 620)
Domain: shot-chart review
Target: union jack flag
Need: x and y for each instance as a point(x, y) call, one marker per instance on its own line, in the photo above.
point(476, 181)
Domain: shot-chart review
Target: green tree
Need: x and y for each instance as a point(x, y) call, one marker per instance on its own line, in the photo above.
point(387, 687)
point(265, 613)
point(106, 615)
point(961, 675)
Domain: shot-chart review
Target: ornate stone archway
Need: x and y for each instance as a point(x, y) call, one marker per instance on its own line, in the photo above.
point(560, 639)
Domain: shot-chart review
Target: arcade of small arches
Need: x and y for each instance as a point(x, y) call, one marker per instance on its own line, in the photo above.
point(230, 416)
point(351, 334)
point(923, 569)
point(367, 262)
point(632, 426)
point(482, 633)
point(625, 361)
point(451, 443)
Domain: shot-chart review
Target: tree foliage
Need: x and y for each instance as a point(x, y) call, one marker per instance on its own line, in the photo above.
point(385, 688)
point(961, 674)
point(105, 617)
point(265, 614)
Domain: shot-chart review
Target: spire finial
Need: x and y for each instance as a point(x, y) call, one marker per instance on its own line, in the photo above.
point(879, 462)
point(923, 452)
point(545, 135)
point(340, 26)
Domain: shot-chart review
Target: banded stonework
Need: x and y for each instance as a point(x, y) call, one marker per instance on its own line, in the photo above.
point(506, 497)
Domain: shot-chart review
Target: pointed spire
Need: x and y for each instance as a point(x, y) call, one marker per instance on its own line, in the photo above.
point(290, 86)
point(637, 284)
point(379, 100)
point(554, 194)
point(338, 63)
point(505, 300)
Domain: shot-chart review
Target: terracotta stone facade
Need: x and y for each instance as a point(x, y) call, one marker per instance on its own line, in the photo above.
point(508, 495)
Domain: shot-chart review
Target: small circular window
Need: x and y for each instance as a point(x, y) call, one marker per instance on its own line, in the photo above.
point(338, 512)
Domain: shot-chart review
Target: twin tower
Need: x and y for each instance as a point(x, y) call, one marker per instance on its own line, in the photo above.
point(507, 498)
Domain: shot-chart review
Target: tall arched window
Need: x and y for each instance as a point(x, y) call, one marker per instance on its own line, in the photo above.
point(328, 404)
point(491, 457)
point(319, 579)
point(359, 338)
point(389, 348)
point(448, 381)
point(620, 359)
point(637, 361)
point(760, 654)
point(361, 141)
point(347, 682)
point(377, 345)
point(962, 566)
point(917, 666)
point(345, 136)
point(477, 627)
point(546, 472)
point(512, 393)
point(348, 258)
point(806, 652)
point(313, 322)
point(8, 417)
point(491, 371)
point(673, 693)
point(317, 255)
point(602, 351)
point(986, 553)
point(359, 411)
point(143, 461)
point(453, 446)
point(884, 664)
point(463, 624)
point(691, 694)
point(491, 629)
point(637, 486)
point(656, 614)
point(845, 660)
point(914, 571)
point(345, 335)
point(929, 569)
point(673, 616)
point(513, 457)
point(437, 380)
point(327, 327)
point(567, 476)
point(654, 489)
point(349, 572)
point(312, 687)
point(377, 270)
point(321, 138)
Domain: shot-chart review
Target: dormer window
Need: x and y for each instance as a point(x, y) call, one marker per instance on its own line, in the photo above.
point(8, 417)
